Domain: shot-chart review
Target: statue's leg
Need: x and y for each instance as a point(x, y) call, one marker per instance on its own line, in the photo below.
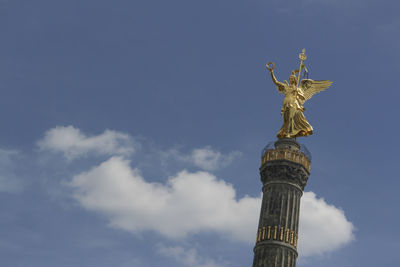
point(291, 125)
point(284, 131)
point(303, 128)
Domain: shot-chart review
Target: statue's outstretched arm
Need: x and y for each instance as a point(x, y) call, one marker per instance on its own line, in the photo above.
point(276, 82)
point(281, 86)
point(271, 66)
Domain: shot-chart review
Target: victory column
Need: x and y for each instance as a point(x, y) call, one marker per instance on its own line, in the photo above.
point(284, 171)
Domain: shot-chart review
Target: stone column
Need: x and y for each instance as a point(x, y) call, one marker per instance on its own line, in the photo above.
point(284, 174)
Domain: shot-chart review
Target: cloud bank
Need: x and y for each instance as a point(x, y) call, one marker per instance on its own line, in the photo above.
point(188, 202)
point(323, 227)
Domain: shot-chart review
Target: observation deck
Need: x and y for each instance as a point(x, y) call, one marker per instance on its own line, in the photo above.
point(286, 149)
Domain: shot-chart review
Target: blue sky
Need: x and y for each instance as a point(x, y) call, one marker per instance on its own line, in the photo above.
point(132, 130)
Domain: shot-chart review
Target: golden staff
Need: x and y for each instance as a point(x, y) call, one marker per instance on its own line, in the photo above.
point(302, 57)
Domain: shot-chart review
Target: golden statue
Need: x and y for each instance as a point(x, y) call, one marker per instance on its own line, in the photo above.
point(294, 122)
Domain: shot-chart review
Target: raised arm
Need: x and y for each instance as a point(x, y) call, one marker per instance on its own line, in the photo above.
point(281, 86)
point(274, 80)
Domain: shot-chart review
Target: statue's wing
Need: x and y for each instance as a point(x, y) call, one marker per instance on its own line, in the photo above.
point(311, 87)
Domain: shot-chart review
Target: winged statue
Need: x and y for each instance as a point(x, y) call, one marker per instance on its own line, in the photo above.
point(294, 121)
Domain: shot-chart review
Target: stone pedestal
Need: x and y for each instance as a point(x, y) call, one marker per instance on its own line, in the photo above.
point(284, 173)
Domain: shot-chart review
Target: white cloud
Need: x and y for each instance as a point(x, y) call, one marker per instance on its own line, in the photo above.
point(323, 227)
point(205, 158)
point(73, 143)
point(188, 203)
point(193, 202)
point(9, 180)
point(188, 257)
point(209, 159)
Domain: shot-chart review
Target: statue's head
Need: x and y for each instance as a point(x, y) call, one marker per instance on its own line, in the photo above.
point(293, 78)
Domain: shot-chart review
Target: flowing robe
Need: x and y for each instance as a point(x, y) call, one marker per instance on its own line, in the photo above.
point(294, 121)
